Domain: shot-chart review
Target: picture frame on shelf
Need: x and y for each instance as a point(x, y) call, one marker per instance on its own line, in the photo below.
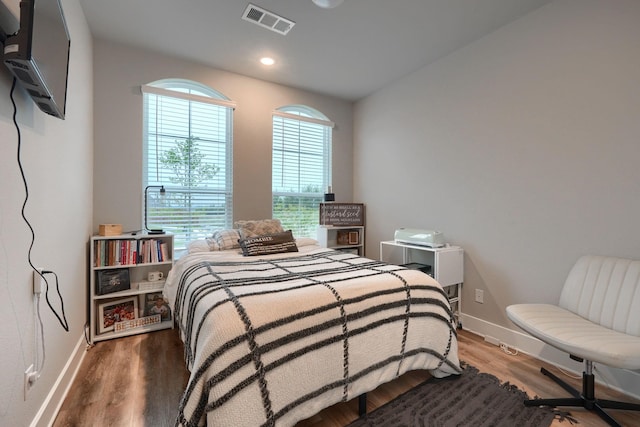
point(114, 311)
point(342, 237)
point(113, 280)
point(155, 303)
point(347, 237)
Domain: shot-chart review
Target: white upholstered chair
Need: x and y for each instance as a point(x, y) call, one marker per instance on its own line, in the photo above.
point(596, 320)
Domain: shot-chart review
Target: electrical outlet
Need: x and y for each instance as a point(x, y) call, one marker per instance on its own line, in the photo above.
point(480, 296)
point(29, 380)
point(38, 281)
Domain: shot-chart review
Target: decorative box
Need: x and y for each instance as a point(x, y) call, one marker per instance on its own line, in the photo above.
point(110, 229)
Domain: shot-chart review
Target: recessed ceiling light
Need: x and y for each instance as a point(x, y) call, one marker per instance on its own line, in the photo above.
point(267, 61)
point(328, 4)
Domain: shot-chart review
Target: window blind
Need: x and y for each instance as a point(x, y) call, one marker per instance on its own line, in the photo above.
point(188, 150)
point(301, 170)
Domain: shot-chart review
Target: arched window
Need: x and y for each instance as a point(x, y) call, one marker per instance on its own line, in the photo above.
point(188, 150)
point(301, 167)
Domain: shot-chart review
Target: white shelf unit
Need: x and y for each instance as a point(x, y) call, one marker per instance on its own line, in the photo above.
point(344, 238)
point(447, 266)
point(138, 273)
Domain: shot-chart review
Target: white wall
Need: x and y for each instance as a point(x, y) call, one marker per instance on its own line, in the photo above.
point(57, 159)
point(522, 147)
point(119, 72)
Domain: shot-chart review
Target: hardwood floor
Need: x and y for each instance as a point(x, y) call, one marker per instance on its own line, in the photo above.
point(132, 381)
point(138, 381)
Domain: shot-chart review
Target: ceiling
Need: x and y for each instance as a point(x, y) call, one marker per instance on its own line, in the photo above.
point(348, 52)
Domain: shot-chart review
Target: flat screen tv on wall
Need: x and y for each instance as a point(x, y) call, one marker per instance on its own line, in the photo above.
point(38, 54)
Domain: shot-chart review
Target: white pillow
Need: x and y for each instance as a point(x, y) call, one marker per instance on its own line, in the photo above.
point(198, 246)
point(306, 241)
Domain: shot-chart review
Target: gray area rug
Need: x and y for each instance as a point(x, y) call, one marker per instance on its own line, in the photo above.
point(471, 399)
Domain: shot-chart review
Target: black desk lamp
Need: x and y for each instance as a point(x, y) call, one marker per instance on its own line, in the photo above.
point(329, 196)
point(146, 191)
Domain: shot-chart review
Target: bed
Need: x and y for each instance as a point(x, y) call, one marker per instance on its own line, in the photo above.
point(273, 339)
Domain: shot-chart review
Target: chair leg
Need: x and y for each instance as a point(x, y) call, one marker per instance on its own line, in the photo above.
point(586, 399)
point(575, 393)
point(614, 404)
point(568, 401)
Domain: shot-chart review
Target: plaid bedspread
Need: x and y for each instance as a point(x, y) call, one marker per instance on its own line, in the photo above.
point(272, 341)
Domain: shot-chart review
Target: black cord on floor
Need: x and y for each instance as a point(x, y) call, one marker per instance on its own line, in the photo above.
point(86, 335)
point(61, 317)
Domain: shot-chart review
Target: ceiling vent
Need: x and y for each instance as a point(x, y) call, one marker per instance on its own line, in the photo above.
point(268, 20)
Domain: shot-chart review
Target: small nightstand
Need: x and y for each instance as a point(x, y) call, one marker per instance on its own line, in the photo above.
point(446, 263)
point(344, 238)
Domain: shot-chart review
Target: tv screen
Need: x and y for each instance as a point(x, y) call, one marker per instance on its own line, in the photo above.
point(38, 54)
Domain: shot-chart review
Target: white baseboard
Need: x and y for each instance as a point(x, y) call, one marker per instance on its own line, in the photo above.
point(51, 405)
point(623, 380)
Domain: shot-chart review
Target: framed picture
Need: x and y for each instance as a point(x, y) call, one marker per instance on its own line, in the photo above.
point(112, 312)
point(354, 237)
point(154, 303)
point(112, 280)
point(338, 214)
point(342, 237)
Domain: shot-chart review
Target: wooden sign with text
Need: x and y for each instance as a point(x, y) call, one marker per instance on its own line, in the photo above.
point(341, 214)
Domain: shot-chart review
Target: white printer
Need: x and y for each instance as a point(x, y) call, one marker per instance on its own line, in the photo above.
point(412, 236)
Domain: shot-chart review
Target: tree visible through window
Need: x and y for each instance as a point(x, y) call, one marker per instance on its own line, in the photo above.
point(301, 167)
point(188, 150)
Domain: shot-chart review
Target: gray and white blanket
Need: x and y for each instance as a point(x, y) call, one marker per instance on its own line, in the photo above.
point(273, 340)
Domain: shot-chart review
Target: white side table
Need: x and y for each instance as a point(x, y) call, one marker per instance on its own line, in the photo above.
point(447, 266)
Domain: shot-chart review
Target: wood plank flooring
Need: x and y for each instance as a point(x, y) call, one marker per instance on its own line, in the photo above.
point(138, 380)
point(132, 381)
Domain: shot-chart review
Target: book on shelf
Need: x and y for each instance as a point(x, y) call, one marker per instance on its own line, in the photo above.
point(116, 252)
